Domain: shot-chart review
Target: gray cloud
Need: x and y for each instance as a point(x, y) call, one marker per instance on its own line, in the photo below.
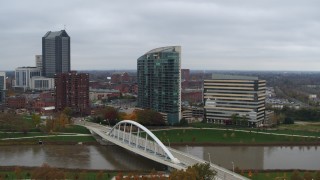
point(228, 34)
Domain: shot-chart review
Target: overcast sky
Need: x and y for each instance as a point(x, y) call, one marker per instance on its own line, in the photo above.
point(214, 34)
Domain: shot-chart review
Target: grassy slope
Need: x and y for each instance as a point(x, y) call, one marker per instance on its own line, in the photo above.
point(222, 136)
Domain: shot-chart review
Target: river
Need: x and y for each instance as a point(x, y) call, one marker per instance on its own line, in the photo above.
point(116, 158)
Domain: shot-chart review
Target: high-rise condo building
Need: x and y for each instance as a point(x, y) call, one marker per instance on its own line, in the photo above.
point(2, 87)
point(72, 90)
point(55, 53)
point(159, 81)
point(234, 99)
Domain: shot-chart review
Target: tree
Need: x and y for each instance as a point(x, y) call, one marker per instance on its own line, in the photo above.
point(68, 112)
point(307, 176)
point(235, 118)
point(204, 171)
point(111, 114)
point(36, 119)
point(296, 176)
point(197, 172)
point(317, 175)
point(288, 120)
point(150, 117)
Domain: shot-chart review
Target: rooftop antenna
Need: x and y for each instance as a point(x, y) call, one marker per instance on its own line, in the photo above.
point(64, 26)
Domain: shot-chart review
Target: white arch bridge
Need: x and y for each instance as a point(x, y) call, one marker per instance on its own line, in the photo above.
point(138, 139)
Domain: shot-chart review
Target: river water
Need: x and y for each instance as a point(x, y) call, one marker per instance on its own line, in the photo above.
point(116, 158)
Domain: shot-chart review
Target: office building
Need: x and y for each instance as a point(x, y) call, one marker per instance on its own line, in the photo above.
point(41, 83)
point(38, 59)
point(159, 82)
point(2, 87)
point(23, 76)
point(229, 96)
point(55, 53)
point(72, 90)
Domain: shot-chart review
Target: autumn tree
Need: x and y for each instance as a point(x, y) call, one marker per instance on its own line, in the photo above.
point(47, 172)
point(36, 119)
point(150, 117)
point(197, 172)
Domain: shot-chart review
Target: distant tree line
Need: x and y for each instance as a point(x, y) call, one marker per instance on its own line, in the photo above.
point(111, 116)
point(304, 114)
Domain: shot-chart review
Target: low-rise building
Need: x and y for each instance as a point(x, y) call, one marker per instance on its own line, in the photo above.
point(193, 114)
point(16, 102)
point(99, 94)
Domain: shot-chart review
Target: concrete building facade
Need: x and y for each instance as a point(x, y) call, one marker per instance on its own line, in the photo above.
point(55, 53)
point(23, 76)
point(41, 83)
point(159, 81)
point(229, 96)
point(72, 90)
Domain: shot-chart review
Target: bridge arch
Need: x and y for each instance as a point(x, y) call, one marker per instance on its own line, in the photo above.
point(149, 133)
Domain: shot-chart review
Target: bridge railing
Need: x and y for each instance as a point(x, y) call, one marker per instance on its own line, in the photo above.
point(138, 142)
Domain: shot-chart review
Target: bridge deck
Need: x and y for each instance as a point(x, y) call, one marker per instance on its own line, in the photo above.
point(148, 149)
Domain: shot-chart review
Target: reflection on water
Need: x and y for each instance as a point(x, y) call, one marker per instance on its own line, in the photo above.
point(117, 158)
point(78, 156)
point(259, 157)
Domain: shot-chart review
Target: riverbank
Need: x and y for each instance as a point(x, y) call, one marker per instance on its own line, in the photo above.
point(21, 172)
point(225, 137)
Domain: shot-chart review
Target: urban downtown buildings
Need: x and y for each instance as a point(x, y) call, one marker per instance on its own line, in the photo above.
point(159, 81)
point(228, 96)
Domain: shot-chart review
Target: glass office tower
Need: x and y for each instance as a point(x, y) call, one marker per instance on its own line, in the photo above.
point(159, 86)
point(55, 53)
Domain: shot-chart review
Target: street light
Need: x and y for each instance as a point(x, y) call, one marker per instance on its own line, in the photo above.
point(168, 141)
point(232, 166)
point(209, 157)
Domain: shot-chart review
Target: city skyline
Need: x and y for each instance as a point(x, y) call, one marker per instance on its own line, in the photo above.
point(226, 35)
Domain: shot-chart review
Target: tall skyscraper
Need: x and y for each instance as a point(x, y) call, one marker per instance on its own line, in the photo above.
point(72, 90)
point(55, 53)
point(159, 81)
point(2, 87)
point(229, 95)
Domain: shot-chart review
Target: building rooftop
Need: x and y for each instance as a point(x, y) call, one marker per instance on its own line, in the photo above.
point(233, 77)
point(166, 49)
point(53, 34)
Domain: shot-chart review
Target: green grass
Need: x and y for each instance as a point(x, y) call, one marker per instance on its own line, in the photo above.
point(16, 135)
point(76, 129)
point(222, 136)
point(54, 138)
point(292, 129)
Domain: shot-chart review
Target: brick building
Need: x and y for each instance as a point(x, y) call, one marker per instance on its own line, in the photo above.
point(72, 90)
point(16, 102)
point(120, 77)
point(46, 99)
